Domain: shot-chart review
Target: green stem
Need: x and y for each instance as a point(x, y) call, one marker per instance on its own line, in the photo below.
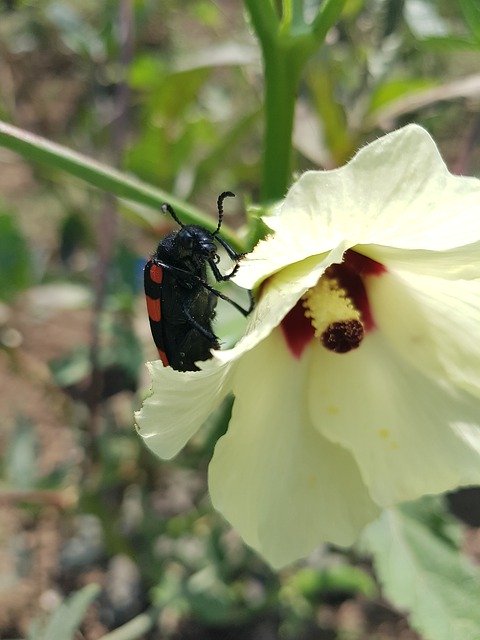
point(280, 95)
point(264, 19)
point(33, 147)
point(326, 17)
point(286, 46)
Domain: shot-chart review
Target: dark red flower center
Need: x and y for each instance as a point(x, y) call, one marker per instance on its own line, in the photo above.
point(348, 299)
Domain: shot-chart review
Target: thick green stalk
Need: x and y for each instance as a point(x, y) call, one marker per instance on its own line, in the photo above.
point(264, 19)
point(281, 83)
point(280, 94)
point(286, 42)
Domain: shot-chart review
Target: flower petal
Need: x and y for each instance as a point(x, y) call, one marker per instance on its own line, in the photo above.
point(280, 294)
point(404, 195)
point(459, 262)
point(281, 484)
point(395, 192)
point(179, 403)
point(431, 322)
point(409, 435)
point(296, 239)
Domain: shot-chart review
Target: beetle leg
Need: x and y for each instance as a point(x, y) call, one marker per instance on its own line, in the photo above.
point(231, 252)
point(221, 295)
point(208, 287)
point(218, 276)
point(207, 334)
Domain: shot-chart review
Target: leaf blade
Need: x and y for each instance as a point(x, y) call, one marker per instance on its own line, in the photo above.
point(425, 576)
point(38, 149)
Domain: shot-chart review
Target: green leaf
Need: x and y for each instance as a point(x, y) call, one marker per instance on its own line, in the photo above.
point(134, 629)
point(426, 576)
point(459, 88)
point(216, 602)
point(21, 456)
point(65, 620)
point(392, 90)
point(449, 43)
point(15, 268)
point(77, 34)
point(314, 583)
point(322, 84)
point(72, 367)
point(471, 13)
point(121, 354)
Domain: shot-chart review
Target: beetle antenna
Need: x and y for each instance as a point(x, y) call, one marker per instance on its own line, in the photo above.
point(166, 208)
point(221, 198)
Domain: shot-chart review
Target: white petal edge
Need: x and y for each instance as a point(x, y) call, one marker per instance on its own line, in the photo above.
point(279, 294)
point(282, 485)
point(405, 196)
point(459, 262)
point(298, 239)
point(395, 192)
point(179, 403)
point(409, 435)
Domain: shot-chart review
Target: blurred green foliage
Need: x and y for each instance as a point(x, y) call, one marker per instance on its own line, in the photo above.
point(63, 624)
point(15, 263)
point(193, 128)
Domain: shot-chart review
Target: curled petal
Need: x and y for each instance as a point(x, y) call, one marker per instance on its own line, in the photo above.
point(296, 239)
point(179, 403)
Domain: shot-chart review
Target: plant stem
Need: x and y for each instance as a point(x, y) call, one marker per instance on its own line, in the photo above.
point(280, 93)
point(286, 46)
point(264, 19)
point(280, 96)
point(36, 148)
point(326, 17)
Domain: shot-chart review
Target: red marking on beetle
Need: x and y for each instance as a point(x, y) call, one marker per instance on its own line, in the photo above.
point(156, 273)
point(154, 309)
point(163, 357)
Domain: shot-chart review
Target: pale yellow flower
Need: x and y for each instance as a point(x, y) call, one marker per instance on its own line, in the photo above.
point(357, 383)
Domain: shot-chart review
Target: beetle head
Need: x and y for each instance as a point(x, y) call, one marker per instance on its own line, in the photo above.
point(192, 240)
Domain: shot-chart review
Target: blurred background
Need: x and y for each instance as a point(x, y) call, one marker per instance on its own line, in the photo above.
point(172, 92)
